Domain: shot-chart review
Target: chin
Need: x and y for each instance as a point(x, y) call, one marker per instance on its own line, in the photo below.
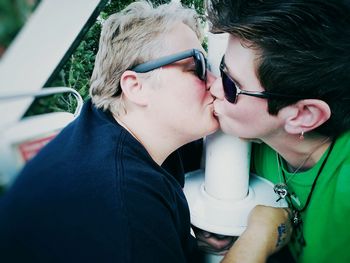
point(215, 126)
point(213, 130)
point(210, 130)
point(254, 140)
point(227, 130)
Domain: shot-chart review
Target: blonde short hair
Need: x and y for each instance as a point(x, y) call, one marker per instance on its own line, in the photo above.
point(130, 37)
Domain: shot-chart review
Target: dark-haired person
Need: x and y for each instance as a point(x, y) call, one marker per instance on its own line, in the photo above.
point(285, 80)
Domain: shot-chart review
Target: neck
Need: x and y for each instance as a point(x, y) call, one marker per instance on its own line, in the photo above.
point(295, 151)
point(156, 143)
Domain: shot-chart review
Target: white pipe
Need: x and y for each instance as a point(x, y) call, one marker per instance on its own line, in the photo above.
point(44, 92)
point(37, 50)
point(227, 167)
point(227, 157)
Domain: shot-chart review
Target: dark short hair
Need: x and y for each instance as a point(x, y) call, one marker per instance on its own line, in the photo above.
point(304, 49)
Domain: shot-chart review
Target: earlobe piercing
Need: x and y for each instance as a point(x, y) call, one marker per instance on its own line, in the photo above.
point(301, 136)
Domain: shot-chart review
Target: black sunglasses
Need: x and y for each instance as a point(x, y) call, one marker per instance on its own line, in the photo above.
point(232, 90)
point(199, 60)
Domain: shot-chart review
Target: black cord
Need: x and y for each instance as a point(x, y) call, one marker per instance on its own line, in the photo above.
point(297, 221)
point(315, 181)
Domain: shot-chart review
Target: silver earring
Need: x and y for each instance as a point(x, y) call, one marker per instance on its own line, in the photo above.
point(301, 136)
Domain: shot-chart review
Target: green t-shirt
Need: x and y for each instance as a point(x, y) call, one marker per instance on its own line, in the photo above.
point(326, 227)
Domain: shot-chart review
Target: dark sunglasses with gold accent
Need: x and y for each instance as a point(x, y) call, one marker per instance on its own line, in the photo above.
point(232, 90)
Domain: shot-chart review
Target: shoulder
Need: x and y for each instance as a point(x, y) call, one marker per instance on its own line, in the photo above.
point(144, 177)
point(262, 155)
point(339, 171)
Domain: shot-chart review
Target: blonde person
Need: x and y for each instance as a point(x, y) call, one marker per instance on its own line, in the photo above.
point(100, 192)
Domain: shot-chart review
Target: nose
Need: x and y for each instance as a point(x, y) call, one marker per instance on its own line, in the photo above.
point(216, 89)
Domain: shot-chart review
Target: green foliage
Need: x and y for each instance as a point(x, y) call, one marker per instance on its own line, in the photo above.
point(75, 74)
point(196, 4)
point(78, 69)
point(13, 14)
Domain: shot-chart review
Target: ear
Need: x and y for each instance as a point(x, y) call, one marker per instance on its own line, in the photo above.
point(132, 87)
point(305, 115)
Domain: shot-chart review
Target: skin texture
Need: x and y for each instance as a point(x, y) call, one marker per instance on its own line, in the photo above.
point(161, 111)
point(268, 230)
point(248, 118)
point(265, 235)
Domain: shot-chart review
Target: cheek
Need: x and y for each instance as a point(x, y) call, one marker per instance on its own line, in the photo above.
point(237, 117)
point(199, 89)
point(244, 109)
point(250, 121)
point(230, 110)
point(196, 94)
point(203, 96)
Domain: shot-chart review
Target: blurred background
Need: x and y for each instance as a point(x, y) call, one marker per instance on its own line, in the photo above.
point(26, 127)
point(76, 70)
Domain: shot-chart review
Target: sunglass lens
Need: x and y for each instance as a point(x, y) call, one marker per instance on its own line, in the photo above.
point(201, 66)
point(229, 87)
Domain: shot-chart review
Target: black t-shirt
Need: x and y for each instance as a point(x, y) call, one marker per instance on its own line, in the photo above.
point(94, 194)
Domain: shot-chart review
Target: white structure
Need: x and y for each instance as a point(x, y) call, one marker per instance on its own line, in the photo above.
point(221, 196)
point(44, 41)
point(20, 141)
point(39, 48)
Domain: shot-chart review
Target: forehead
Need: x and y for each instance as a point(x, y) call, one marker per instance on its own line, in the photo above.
point(238, 53)
point(240, 60)
point(181, 38)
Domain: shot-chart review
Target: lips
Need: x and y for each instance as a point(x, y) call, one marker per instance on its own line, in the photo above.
point(211, 102)
point(215, 103)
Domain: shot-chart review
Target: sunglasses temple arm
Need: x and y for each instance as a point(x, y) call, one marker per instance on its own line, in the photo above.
point(151, 65)
point(267, 95)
